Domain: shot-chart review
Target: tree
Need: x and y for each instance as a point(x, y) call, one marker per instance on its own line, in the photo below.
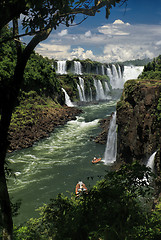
point(40, 17)
point(113, 209)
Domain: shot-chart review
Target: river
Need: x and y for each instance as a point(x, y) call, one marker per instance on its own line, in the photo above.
point(55, 164)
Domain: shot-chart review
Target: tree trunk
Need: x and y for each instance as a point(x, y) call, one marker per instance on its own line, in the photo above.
point(10, 96)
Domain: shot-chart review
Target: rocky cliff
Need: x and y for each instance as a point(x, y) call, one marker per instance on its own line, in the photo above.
point(138, 119)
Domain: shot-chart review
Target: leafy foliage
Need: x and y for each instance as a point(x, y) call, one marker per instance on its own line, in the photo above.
point(38, 76)
point(112, 209)
point(152, 70)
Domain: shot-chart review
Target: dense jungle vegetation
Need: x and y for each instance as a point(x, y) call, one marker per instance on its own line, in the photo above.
point(39, 75)
point(152, 70)
point(118, 207)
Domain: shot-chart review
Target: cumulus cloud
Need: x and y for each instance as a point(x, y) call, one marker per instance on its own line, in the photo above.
point(127, 52)
point(82, 54)
point(63, 33)
point(117, 28)
point(88, 34)
point(118, 41)
point(118, 21)
point(54, 51)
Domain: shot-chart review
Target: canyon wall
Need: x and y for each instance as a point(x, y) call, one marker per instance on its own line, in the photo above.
point(138, 120)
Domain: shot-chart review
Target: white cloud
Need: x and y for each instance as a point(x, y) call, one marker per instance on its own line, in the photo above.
point(63, 33)
point(158, 43)
point(118, 21)
point(54, 51)
point(88, 34)
point(118, 41)
point(117, 28)
point(82, 54)
point(126, 52)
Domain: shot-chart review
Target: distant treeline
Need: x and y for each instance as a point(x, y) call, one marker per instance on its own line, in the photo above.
point(152, 70)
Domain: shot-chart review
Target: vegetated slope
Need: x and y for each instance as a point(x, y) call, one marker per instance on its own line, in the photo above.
point(35, 117)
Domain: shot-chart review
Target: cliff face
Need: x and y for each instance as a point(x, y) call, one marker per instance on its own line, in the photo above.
point(139, 129)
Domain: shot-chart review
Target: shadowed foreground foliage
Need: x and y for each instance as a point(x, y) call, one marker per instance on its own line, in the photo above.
point(118, 207)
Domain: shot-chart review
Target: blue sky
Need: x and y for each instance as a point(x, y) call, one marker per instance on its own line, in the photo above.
point(129, 33)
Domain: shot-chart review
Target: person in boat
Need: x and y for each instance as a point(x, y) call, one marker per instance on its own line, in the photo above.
point(96, 160)
point(80, 187)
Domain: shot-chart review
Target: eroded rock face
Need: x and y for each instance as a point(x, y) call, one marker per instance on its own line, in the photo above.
point(46, 120)
point(137, 119)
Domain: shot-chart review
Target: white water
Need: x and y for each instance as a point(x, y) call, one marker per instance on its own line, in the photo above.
point(81, 84)
point(117, 80)
point(132, 72)
point(68, 102)
point(55, 164)
point(150, 162)
point(107, 90)
point(61, 67)
point(77, 68)
point(100, 94)
point(111, 145)
point(80, 93)
point(103, 70)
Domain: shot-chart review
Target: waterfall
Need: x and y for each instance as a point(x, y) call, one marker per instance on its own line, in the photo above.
point(111, 145)
point(67, 99)
point(150, 162)
point(61, 67)
point(77, 68)
point(107, 90)
point(91, 98)
point(116, 79)
point(100, 94)
point(103, 70)
point(81, 82)
point(119, 71)
point(132, 72)
point(81, 91)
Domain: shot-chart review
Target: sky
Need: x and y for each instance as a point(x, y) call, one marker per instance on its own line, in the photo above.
point(131, 32)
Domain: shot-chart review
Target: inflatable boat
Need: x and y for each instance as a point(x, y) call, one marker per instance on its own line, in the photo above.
point(80, 188)
point(96, 160)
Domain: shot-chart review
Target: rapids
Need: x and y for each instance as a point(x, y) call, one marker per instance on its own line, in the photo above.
point(55, 164)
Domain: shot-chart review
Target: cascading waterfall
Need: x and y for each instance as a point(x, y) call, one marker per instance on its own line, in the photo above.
point(100, 95)
point(150, 162)
point(132, 72)
point(67, 99)
point(103, 70)
point(61, 67)
point(107, 90)
point(81, 91)
point(111, 145)
point(81, 82)
point(119, 71)
point(116, 81)
point(77, 68)
point(91, 98)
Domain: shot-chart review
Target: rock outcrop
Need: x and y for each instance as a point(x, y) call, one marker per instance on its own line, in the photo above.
point(139, 128)
point(104, 124)
point(44, 121)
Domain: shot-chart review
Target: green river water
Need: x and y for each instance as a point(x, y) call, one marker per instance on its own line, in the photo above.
point(54, 165)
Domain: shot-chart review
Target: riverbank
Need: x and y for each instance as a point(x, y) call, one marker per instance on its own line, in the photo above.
point(35, 118)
